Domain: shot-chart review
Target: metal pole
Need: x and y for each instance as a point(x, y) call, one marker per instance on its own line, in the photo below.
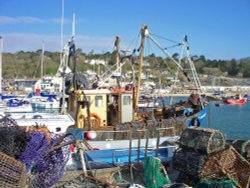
point(42, 60)
point(1, 61)
point(157, 143)
point(81, 153)
point(130, 147)
point(146, 144)
point(143, 34)
point(139, 146)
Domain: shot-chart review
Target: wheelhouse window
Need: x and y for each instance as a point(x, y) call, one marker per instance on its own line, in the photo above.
point(126, 100)
point(88, 98)
point(98, 101)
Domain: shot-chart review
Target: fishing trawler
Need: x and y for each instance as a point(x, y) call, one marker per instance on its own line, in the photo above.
point(108, 117)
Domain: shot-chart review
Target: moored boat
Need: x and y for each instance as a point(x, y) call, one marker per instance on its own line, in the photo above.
point(238, 99)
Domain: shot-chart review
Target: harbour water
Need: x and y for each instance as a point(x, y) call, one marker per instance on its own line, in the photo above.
point(232, 120)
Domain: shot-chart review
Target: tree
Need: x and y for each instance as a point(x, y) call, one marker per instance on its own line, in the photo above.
point(246, 73)
point(233, 69)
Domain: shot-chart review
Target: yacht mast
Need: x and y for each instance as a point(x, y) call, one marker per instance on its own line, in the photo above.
point(62, 20)
point(1, 51)
point(144, 32)
point(42, 60)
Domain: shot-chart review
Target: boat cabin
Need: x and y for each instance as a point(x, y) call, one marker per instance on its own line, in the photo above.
point(105, 107)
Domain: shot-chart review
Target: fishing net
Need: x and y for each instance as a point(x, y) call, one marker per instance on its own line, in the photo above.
point(187, 179)
point(227, 183)
point(152, 173)
point(37, 145)
point(12, 172)
point(6, 121)
point(83, 181)
point(12, 137)
point(49, 167)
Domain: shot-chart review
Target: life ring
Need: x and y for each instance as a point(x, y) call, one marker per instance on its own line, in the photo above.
point(195, 122)
point(96, 122)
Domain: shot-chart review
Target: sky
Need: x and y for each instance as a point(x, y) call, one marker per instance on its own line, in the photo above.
point(217, 29)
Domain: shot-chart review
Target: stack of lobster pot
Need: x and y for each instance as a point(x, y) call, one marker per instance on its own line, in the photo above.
point(203, 155)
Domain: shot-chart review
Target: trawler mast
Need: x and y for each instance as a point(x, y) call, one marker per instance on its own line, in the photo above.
point(144, 33)
point(189, 59)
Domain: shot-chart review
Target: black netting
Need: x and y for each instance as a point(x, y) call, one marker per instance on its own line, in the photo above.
point(12, 137)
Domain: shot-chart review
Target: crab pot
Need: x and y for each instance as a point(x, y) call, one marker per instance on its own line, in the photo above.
point(242, 146)
point(189, 162)
point(187, 179)
point(12, 174)
point(202, 140)
point(227, 163)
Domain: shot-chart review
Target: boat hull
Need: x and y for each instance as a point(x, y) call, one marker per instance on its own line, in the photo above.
point(235, 101)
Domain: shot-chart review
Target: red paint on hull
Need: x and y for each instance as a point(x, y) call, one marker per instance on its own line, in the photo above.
point(235, 101)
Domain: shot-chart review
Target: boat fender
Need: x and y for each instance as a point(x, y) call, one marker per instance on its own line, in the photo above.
point(195, 122)
point(91, 135)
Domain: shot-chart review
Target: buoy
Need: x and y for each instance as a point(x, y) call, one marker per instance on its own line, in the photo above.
point(90, 135)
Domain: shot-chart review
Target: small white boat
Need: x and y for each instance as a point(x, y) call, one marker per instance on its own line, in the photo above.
point(14, 105)
point(38, 102)
point(56, 123)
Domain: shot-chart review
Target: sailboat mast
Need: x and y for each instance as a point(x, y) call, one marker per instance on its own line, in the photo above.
point(1, 51)
point(62, 20)
point(42, 60)
point(138, 85)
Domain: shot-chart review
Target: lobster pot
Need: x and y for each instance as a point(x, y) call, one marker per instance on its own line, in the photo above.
point(12, 140)
point(202, 140)
point(12, 173)
point(180, 125)
point(50, 165)
point(151, 126)
point(121, 131)
point(187, 179)
point(227, 163)
point(135, 126)
point(242, 146)
point(189, 162)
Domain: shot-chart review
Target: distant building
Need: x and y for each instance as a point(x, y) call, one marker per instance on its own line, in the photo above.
point(97, 62)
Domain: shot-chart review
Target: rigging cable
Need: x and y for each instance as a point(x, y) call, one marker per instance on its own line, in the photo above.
point(170, 40)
